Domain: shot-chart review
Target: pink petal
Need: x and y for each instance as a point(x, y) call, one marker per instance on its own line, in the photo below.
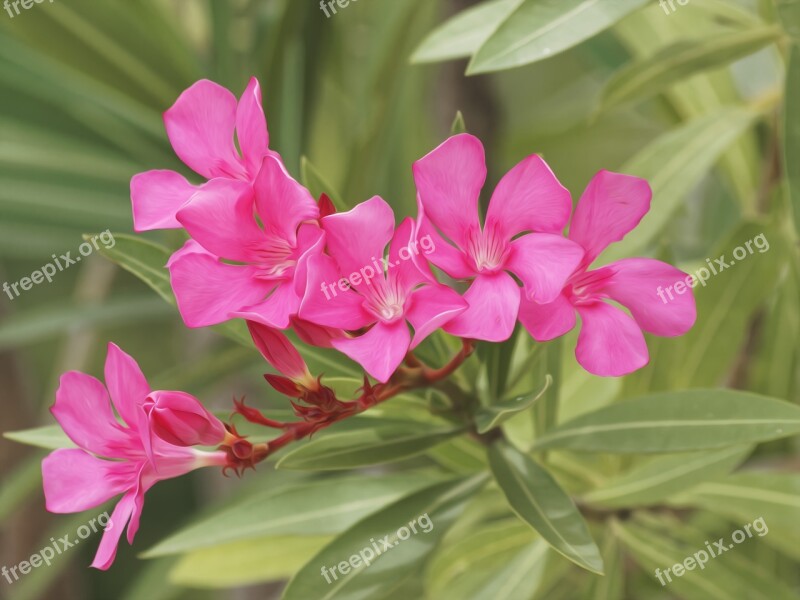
point(357, 238)
point(278, 351)
point(611, 206)
point(83, 410)
point(529, 198)
point(200, 126)
point(75, 481)
point(610, 343)
point(644, 286)
point(220, 218)
point(326, 304)
point(208, 291)
point(180, 419)
point(281, 202)
point(251, 127)
point(155, 198)
point(543, 262)
point(126, 384)
point(437, 251)
point(430, 307)
point(380, 351)
point(449, 181)
point(402, 251)
point(107, 550)
point(493, 306)
point(282, 304)
point(547, 321)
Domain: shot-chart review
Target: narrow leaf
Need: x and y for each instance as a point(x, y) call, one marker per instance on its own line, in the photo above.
point(495, 415)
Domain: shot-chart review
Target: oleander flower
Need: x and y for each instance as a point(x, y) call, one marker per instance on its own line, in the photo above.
point(247, 245)
point(201, 126)
point(521, 234)
point(611, 342)
point(357, 286)
point(124, 455)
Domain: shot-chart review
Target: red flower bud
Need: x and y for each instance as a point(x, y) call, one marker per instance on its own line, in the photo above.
point(179, 419)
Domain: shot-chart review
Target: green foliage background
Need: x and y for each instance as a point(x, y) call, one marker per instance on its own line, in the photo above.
point(702, 101)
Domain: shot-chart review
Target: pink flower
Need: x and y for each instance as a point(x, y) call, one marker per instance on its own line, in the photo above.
point(77, 479)
point(259, 279)
point(200, 126)
point(528, 199)
point(611, 343)
point(178, 418)
point(357, 287)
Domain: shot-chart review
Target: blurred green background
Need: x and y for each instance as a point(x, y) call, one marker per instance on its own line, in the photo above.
point(83, 85)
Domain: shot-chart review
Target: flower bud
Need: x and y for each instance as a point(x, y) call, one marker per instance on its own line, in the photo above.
point(180, 419)
point(279, 352)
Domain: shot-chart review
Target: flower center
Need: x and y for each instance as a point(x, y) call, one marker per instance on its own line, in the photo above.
point(384, 300)
point(276, 259)
point(487, 251)
point(585, 287)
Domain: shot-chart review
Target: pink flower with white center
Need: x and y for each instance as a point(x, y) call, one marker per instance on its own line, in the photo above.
point(384, 299)
point(611, 342)
point(77, 479)
point(246, 250)
point(528, 199)
point(201, 126)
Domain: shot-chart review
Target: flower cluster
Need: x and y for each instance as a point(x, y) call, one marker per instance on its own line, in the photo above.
point(262, 248)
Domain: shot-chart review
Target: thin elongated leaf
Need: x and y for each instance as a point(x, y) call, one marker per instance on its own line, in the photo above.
point(674, 164)
point(371, 442)
point(50, 437)
point(494, 415)
point(318, 185)
point(539, 29)
point(375, 577)
point(664, 476)
point(677, 422)
point(650, 76)
point(294, 509)
point(464, 33)
point(536, 498)
point(791, 131)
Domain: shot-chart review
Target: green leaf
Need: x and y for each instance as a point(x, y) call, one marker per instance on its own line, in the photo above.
point(294, 509)
point(539, 29)
point(50, 437)
point(489, 417)
point(394, 566)
point(791, 131)
point(318, 185)
point(536, 498)
point(458, 126)
point(246, 562)
point(370, 442)
point(464, 33)
point(658, 478)
point(677, 422)
point(651, 75)
point(674, 164)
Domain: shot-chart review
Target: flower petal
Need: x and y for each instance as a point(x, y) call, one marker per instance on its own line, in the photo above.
point(208, 291)
point(449, 181)
point(251, 127)
point(107, 550)
point(380, 350)
point(74, 480)
point(493, 306)
point(220, 218)
point(645, 287)
point(357, 238)
point(529, 198)
point(439, 252)
point(402, 250)
point(430, 307)
point(282, 304)
point(543, 262)
point(547, 321)
point(610, 343)
point(156, 196)
point(126, 384)
point(83, 410)
point(326, 303)
point(611, 206)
